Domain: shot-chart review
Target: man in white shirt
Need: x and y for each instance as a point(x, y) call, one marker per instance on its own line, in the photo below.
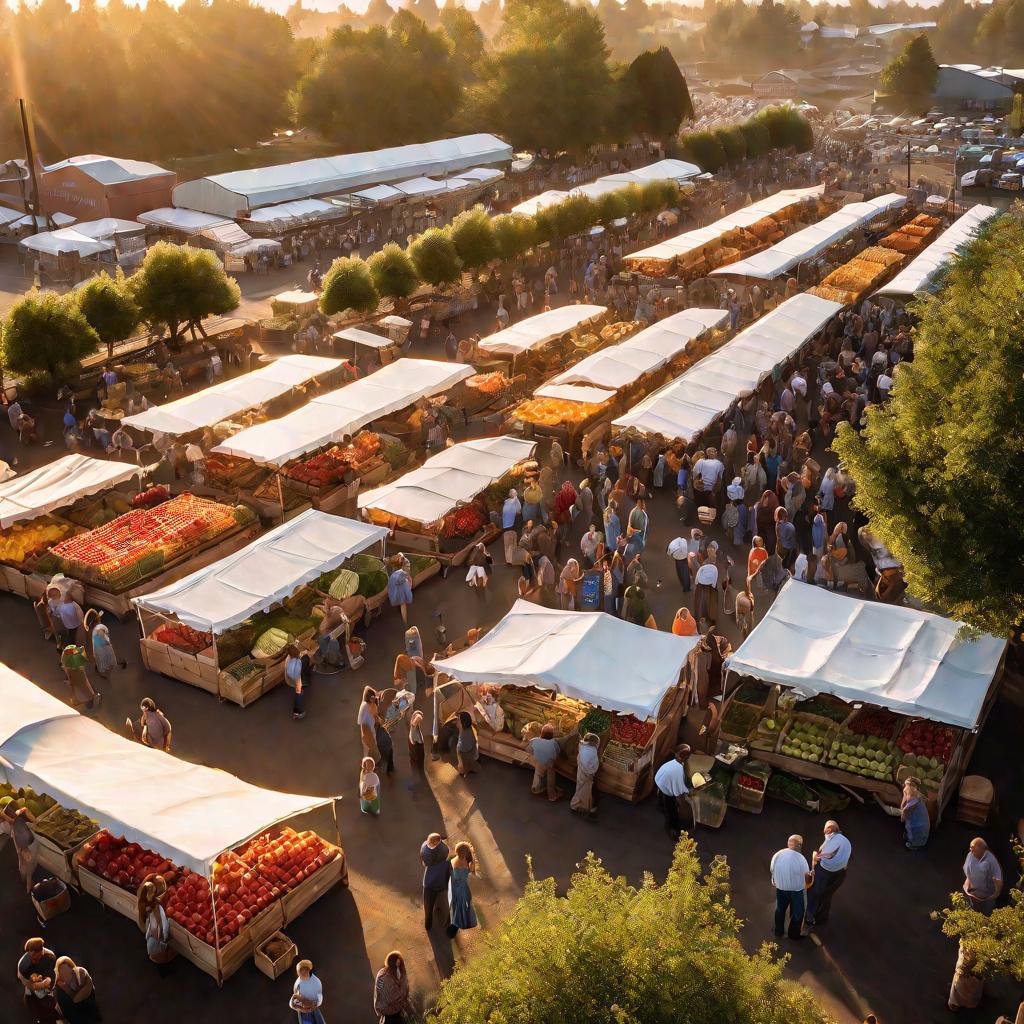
point(830, 862)
point(884, 385)
point(679, 550)
point(588, 761)
point(789, 876)
point(670, 781)
point(705, 592)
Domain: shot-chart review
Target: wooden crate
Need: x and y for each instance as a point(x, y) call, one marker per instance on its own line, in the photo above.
point(109, 894)
point(273, 969)
point(13, 580)
point(168, 661)
point(308, 891)
point(234, 953)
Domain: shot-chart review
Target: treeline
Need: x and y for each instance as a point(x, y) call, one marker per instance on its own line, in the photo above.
point(773, 128)
point(440, 256)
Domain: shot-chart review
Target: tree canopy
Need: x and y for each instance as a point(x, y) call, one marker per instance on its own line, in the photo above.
point(911, 77)
point(46, 332)
point(473, 237)
point(654, 99)
point(938, 467)
point(392, 272)
point(106, 303)
point(609, 953)
point(435, 257)
point(348, 284)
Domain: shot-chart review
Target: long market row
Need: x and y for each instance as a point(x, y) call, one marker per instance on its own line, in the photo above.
point(112, 813)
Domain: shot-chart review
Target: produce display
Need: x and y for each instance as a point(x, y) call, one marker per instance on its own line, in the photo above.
point(245, 668)
point(11, 799)
point(746, 781)
point(24, 541)
point(65, 827)
point(183, 638)
point(880, 722)
point(465, 521)
point(492, 384)
point(522, 707)
point(344, 584)
point(140, 543)
point(595, 721)
point(152, 496)
point(739, 720)
point(123, 863)
point(330, 467)
point(808, 741)
point(752, 692)
point(912, 237)
point(552, 412)
point(928, 740)
point(827, 707)
point(271, 643)
point(230, 472)
point(628, 729)
point(870, 756)
point(93, 512)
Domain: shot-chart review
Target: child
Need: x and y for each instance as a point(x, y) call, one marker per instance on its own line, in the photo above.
point(369, 788)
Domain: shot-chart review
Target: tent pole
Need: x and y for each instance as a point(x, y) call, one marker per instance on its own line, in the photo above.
point(280, 494)
point(216, 934)
point(337, 827)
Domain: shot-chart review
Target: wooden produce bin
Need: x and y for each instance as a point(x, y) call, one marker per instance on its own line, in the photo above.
point(430, 544)
point(52, 858)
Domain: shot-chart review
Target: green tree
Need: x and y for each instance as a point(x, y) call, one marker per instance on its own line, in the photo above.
point(653, 96)
point(348, 284)
point(657, 954)
point(938, 467)
point(704, 149)
point(392, 272)
point(912, 76)
point(467, 41)
point(178, 286)
point(787, 127)
point(574, 215)
point(734, 143)
point(381, 86)
point(514, 234)
point(435, 258)
point(757, 137)
point(107, 304)
point(473, 237)
point(611, 206)
point(45, 331)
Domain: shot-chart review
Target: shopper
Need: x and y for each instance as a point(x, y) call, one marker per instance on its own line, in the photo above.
point(154, 727)
point(437, 870)
point(417, 744)
point(391, 990)
point(588, 761)
point(153, 920)
point(17, 824)
point(293, 677)
point(307, 994)
point(460, 897)
point(75, 992)
point(386, 747)
point(684, 624)
point(830, 863)
point(544, 751)
point(366, 718)
point(74, 661)
point(68, 619)
point(37, 970)
point(104, 656)
point(789, 873)
point(673, 792)
point(467, 750)
point(914, 815)
point(369, 788)
point(983, 877)
point(679, 551)
point(400, 588)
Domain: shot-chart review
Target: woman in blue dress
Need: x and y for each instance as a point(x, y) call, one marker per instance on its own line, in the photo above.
point(460, 899)
point(612, 525)
point(914, 814)
point(400, 588)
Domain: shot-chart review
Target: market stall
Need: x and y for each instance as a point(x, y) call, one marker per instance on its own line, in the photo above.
point(322, 452)
point(386, 350)
point(582, 672)
point(148, 547)
point(444, 507)
point(693, 253)
point(786, 254)
point(536, 332)
point(225, 628)
point(875, 693)
point(577, 405)
point(235, 873)
point(49, 505)
point(688, 405)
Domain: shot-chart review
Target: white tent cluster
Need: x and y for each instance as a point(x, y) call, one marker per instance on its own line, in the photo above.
point(539, 330)
point(451, 478)
point(808, 243)
point(428, 188)
point(687, 405)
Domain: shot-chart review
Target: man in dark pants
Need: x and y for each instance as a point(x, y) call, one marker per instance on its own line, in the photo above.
point(830, 861)
point(789, 875)
point(673, 789)
point(436, 870)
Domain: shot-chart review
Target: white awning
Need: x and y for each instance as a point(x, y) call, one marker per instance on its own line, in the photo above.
point(367, 338)
point(649, 350)
point(482, 175)
point(8, 216)
point(785, 255)
point(689, 404)
point(191, 222)
point(380, 194)
point(421, 188)
point(62, 220)
point(109, 227)
point(661, 170)
point(299, 211)
point(689, 241)
point(451, 478)
point(910, 661)
point(331, 417)
point(58, 485)
point(186, 812)
point(534, 205)
point(538, 330)
point(591, 656)
point(232, 397)
point(66, 240)
point(920, 272)
point(270, 569)
point(226, 236)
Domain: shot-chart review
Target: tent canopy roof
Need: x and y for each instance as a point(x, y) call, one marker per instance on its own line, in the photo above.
point(270, 569)
point(232, 397)
point(67, 240)
point(178, 219)
point(58, 485)
point(111, 170)
point(593, 657)
point(186, 812)
point(909, 661)
point(450, 478)
point(539, 329)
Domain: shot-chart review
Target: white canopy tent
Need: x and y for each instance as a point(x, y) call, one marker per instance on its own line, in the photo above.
point(226, 236)
point(451, 478)
point(921, 272)
point(538, 330)
point(62, 220)
point(232, 397)
point(8, 216)
point(689, 241)
point(591, 656)
point(189, 222)
point(186, 812)
point(909, 661)
point(331, 417)
point(532, 206)
point(109, 227)
point(295, 213)
point(58, 485)
point(652, 348)
point(689, 404)
point(785, 255)
point(67, 240)
point(360, 337)
point(482, 175)
point(379, 194)
point(273, 567)
point(661, 170)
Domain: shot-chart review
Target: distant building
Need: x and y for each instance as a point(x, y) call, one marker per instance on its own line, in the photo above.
point(964, 88)
point(787, 83)
point(92, 187)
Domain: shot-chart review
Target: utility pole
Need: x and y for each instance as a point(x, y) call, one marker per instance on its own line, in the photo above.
point(28, 129)
point(908, 165)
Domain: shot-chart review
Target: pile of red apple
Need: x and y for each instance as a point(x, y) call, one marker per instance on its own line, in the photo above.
point(880, 722)
point(926, 739)
point(123, 863)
